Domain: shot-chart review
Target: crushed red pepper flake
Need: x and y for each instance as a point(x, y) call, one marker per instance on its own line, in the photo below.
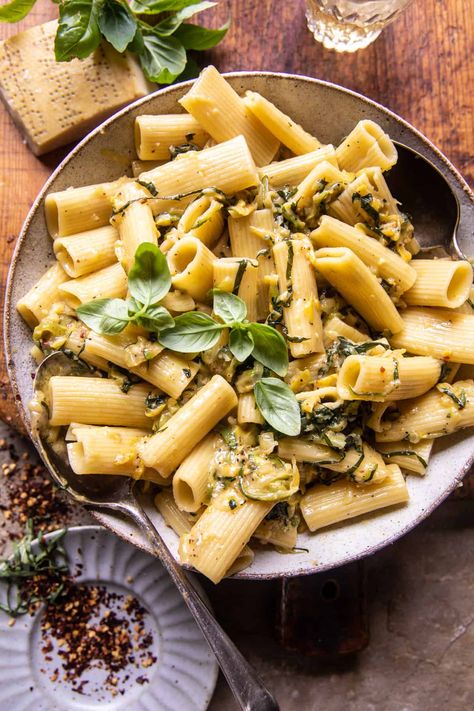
point(87, 638)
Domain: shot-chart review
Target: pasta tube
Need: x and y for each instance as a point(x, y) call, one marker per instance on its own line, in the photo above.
point(363, 466)
point(448, 408)
point(336, 327)
point(280, 125)
point(385, 263)
point(440, 282)
point(96, 401)
point(166, 449)
point(322, 174)
point(134, 221)
point(441, 333)
point(228, 166)
point(358, 285)
point(325, 505)
point(203, 219)
point(36, 303)
point(86, 252)
point(277, 534)
point(110, 282)
point(223, 114)
point(293, 170)
point(248, 411)
point(299, 295)
point(167, 371)
point(239, 276)
point(221, 533)
point(191, 265)
point(367, 145)
point(191, 479)
point(411, 456)
point(182, 522)
point(370, 181)
point(154, 135)
point(108, 450)
point(79, 209)
point(247, 239)
point(386, 378)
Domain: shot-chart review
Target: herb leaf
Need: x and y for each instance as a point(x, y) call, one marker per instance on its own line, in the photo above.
point(15, 10)
point(167, 26)
point(278, 406)
point(459, 401)
point(240, 343)
point(104, 315)
point(78, 32)
point(156, 318)
point(228, 307)
point(163, 58)
point(199, 38)
point(117, 24)
point(149, 279)
point(192, 332)
point(152, 7)
point(270, 348)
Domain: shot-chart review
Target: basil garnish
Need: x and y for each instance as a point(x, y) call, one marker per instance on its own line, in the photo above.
point(149, 281)
point(278, 406)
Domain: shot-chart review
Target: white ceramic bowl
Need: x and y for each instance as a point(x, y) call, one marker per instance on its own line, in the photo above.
point(330, 112)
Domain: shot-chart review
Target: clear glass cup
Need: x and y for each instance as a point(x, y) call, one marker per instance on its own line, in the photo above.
point(349, 25)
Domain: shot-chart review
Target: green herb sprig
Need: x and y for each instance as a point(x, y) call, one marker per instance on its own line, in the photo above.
point(149, 280)
point(34, 575)
point(194, 332)
point(154, 30)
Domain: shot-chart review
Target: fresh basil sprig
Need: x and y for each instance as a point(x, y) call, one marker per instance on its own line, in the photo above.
point(278, 406)
point(149, 281)
point(161, 42)
point(194, 332)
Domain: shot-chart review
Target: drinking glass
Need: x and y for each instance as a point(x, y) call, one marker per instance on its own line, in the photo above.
point(349, 25)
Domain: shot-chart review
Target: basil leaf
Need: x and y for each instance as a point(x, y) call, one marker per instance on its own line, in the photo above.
point(156, 318)
point(149, 279)
point(15, 10)
point(78, 33)
point(104, 315)
point(153, 7)
point(191, 70)
point(228, 307)
point(196, 37)
point(270, 348)
point(278, 406)
point(117, 24)
point(162, 59)
point(192, 332)
point(137, 44)
point(170, 24)
point(240, 343)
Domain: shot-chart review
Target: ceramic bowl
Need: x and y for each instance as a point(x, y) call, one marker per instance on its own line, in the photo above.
point(329, 112)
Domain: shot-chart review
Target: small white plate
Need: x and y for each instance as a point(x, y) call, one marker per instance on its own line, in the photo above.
point(183, 676)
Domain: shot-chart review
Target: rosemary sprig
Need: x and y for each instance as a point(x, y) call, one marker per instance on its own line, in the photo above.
point(34, 573)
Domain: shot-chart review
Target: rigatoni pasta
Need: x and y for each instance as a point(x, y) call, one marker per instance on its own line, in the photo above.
point(263, 344)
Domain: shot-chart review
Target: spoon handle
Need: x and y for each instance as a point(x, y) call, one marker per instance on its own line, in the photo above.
point(244, 682)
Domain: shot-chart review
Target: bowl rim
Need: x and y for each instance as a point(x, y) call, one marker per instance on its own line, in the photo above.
point(76, 150)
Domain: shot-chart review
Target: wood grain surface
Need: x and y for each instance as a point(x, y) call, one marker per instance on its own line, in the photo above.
point(421, 67)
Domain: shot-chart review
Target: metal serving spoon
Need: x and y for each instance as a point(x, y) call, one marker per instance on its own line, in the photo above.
point(427, 197)
point(117, 494)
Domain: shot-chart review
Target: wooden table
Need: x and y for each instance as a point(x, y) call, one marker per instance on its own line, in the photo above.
point(421, 67)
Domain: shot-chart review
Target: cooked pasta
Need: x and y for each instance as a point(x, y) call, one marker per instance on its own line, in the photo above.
point(261, 344)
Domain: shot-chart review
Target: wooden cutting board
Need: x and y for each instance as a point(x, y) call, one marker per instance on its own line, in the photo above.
point(421, 67)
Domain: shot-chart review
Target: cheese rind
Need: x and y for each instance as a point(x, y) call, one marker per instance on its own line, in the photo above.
point(54, 103)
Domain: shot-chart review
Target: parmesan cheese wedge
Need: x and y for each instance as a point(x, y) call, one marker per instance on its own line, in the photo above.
point(54, 103)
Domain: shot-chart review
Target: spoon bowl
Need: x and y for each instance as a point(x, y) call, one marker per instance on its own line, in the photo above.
point(428, 199)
